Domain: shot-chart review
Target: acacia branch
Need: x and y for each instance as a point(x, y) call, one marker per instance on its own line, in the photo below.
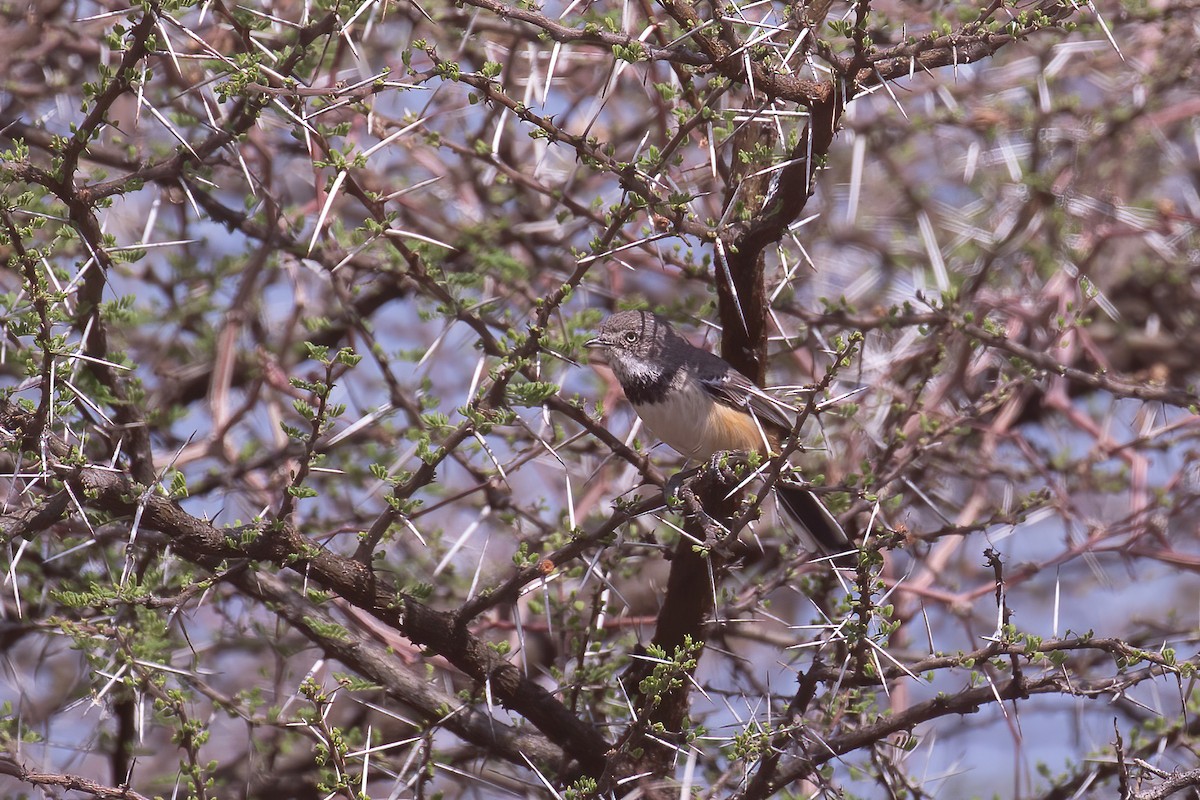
point(200, 542)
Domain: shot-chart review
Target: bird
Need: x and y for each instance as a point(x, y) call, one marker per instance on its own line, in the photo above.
point(701, 406)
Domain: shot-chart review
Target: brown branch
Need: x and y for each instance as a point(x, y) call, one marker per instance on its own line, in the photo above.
point(200, 542)
point(741, 290)
point(68, 782)
point(1171, 784)
point(967, 701)
point(590, 34)
point(1115, 386)
point(377, 661)
point(969, 44)
point(720, 50)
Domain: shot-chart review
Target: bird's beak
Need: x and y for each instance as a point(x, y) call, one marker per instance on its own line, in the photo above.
point(593, 343)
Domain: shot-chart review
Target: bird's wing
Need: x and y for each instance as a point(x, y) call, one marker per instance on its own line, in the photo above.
point(732, 388)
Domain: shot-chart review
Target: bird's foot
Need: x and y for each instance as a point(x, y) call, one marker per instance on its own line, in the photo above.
point(722, 465)
point(718, 469)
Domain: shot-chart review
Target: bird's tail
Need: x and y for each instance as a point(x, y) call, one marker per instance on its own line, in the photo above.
point(822, 530)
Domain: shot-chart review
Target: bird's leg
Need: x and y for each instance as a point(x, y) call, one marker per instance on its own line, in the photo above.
point(682, 488)
point(692, 507)
point(680, 493)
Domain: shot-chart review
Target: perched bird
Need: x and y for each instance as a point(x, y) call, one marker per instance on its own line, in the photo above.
point(697, 403)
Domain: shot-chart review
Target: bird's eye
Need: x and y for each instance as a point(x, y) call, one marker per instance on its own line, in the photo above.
point(630, 337)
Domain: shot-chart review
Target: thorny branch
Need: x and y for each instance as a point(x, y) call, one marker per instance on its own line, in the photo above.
point(340, 267)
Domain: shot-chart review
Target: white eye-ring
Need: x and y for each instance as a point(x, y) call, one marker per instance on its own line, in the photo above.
point(630, 337)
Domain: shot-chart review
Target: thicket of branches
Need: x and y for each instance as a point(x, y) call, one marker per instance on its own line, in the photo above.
point(309, 489)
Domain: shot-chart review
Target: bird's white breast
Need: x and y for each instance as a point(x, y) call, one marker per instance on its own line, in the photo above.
point(690, 424)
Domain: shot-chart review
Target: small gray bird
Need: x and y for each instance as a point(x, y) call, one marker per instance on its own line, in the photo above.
point(700, 405)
